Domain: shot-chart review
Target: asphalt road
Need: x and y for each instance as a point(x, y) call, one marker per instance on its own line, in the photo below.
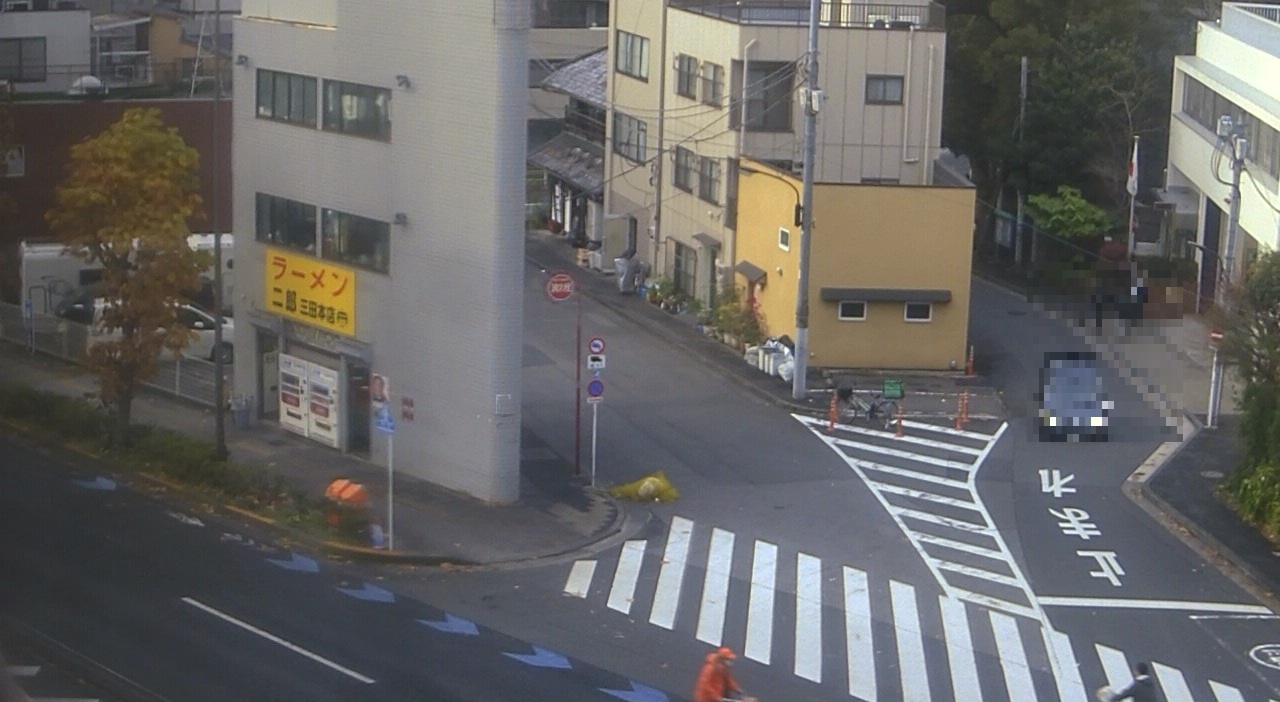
point(193, 612)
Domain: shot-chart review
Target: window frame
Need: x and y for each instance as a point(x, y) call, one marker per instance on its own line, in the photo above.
point(334, 117)
point(906, 313)
point(21, 73)
point(709, 176)
point(682, 175)
point(624, 124)
point(269, 100)
point(271, 203)
point(841, 316)
point(713, 84)
point(784, 238)
point(884, 81)
point(687, 76)
point(631, 55)
point(330, 217)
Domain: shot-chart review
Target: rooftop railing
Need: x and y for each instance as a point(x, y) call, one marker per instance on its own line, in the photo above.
point(834, 13)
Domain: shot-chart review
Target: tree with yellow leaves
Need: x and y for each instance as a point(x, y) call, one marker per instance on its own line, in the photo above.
point(125, 203)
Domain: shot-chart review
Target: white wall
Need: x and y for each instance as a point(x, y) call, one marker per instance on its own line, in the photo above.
point(67, 44)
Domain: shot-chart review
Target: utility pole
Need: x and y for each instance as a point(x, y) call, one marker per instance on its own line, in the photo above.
point(812, 96)
point(1022, 114)
point(1229, 136)
point(219, 362)
point(658, 249)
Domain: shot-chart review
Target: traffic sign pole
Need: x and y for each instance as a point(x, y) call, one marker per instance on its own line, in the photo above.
point(595, 421)
point(577, 396)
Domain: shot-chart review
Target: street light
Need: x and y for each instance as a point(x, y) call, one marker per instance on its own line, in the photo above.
point(799, 218)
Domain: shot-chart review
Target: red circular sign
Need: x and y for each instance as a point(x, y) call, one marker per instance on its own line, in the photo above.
point(1215, 335)
point(560, 287)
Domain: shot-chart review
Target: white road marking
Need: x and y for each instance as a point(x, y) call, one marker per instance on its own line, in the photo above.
point(908, 438)
point(1114, 666)
point(63, 699)
point(715, 588)
point(938, 519)
point(625, 576)
point(808, 617)
point(859, 649)
point(1013, 659)
point(909, 473)
point(1063, 660)
point(908, 455)
point(906, 627)
point(927, 496)
point(277, 640)
point(579, 582)
point(24, 671)
point(1172, 683)
point(764, 567)
point(974, 572)
point(1225, 693)
point(667, 597)
point(975, 549)
point(960, 654)
point(1178, 605)
point(996, 603)
point(975, 435)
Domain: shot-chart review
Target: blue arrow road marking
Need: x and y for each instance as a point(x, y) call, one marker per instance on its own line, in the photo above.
point(98, 483)
point(542, 658)
point(369, 593)
point(453, 625)
point(638, 693)
point(298, 562)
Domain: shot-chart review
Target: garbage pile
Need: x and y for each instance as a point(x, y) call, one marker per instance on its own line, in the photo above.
point(654, 487)
point(776, 356)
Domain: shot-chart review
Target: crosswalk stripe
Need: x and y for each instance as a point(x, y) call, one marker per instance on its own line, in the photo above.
point(764, 567)
point(24, 671)
point(975, 572)
point(625, 576)
point(715, 589)
point(978, 436)
point(579, 582)
point(670, 578)
point(1225, 693)
point(1063, 660)
point(911, 439)
point(1114, 666)
point(808, 647)
point(995, 603)
point(927, 496)
point(1013, 658)
point(906, 626)
point(908, 473)
point(975, 549)
point(860, 651)
point(960, 654)
point(909, 455)
point(1172, 683)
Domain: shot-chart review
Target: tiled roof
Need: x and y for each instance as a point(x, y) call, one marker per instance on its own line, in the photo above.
point(583, 78)
point(573, 159)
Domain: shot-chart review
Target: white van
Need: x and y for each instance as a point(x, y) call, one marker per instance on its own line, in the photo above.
point(88, 311)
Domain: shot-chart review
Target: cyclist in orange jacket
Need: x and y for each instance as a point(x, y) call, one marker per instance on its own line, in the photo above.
point(716, 682)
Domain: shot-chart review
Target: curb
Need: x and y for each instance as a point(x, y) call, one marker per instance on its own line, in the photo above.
point(1136, 487)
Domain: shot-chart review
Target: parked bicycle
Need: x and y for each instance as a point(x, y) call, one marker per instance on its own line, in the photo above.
point(878, 411)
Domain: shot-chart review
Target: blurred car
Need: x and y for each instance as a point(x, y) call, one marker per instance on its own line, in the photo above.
point(85, 308)
point(1073, 402)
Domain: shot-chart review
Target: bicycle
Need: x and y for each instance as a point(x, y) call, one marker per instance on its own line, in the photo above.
point(878, 410)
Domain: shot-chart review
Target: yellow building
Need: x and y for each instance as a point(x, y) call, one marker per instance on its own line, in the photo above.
point(889, 268)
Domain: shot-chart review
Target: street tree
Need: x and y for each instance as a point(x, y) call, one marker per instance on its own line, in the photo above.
point(125, 203)
point(1250, 321)
point(1068, 215)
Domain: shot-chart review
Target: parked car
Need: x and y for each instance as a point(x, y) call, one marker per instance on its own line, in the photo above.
point(87, 310)
point(1073, 402)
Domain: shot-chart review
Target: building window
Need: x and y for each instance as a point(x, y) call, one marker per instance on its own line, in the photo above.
point(287, 97)
point(713, 84)
point(570, 14)
point(23, 60)
point(359, 241)
point(362, 110)
point(630, 137)
point(769, 88)
point(686, 268)
point(632, 55)
point(731, 195)
point(286, 222)
point(852, 311)
point(1203, 105)
point(682, 176)
point(709, 179)
point(784, 239)
point(918, 312)
point(880, 181)
point(884, 90)
point(15, 162)
point(687, 76)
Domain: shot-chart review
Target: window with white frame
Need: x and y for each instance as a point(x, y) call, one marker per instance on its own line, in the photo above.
point(918, 312)
point(852, 311)
point(884, 90)
point(682, 176)
point(709, 179)
point(687, 76)
point(712, 84)
point(630, 137)
point(632, 55)
point(784, 239)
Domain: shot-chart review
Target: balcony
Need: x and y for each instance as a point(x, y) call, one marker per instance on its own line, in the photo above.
point(834, 13)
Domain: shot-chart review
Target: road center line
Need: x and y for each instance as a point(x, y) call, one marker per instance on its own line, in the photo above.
point(277, 640)
point(1176, 605)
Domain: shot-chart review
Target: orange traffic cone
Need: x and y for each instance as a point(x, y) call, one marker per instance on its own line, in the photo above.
point(832, 414)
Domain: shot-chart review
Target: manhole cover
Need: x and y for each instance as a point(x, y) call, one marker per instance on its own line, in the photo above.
point(1212, 474)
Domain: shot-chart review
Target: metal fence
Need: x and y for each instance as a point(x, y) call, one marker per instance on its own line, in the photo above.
point(188, 378)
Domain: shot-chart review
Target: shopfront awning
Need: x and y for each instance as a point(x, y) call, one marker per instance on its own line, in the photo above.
point(753, 273)
point(707, 240)
point(884, 295)
point(574, 160)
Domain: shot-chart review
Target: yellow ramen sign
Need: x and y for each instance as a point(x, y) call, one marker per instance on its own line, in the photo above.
point(314, 292)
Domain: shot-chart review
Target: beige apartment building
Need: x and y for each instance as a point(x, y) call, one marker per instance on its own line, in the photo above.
point(694, 85)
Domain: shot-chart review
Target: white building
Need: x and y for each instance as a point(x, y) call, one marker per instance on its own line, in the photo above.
point(1235, 72)
point(379, 151)
point(43, 49)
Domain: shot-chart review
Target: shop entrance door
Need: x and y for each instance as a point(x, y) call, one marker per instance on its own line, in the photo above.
point(358, 407)
point(268, 375)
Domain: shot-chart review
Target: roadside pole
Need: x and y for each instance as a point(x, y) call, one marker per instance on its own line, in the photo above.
point(391, 491)
point(380, 403)
point(560, 287)
point(595, 392)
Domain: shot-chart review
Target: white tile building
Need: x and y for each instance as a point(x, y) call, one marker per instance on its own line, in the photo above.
point(379, 152)
point(43, 50)
point(1235, 72)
